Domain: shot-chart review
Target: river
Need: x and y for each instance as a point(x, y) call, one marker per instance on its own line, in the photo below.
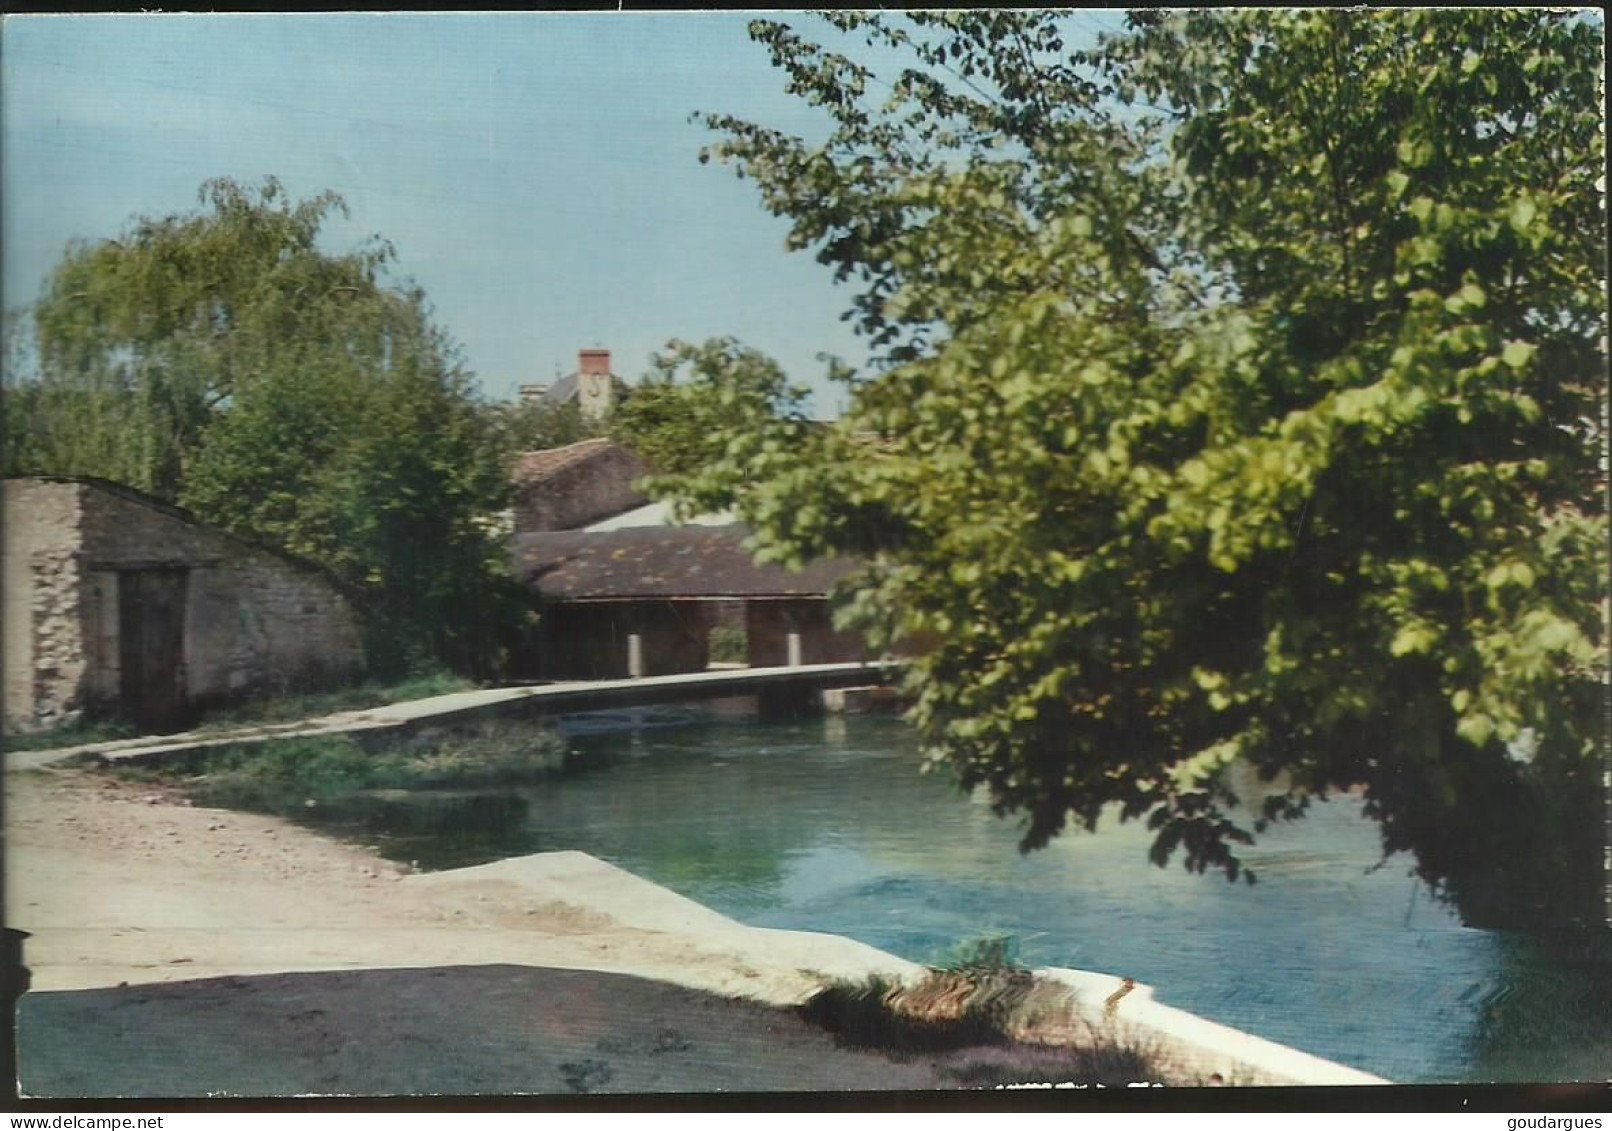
point(827, 825)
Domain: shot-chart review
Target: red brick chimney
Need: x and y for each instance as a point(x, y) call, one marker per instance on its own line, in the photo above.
point(595, 386)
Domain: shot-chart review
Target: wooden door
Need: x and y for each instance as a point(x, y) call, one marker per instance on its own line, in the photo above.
point(151, 648)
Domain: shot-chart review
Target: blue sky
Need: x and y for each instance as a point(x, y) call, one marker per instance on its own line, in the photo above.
point(537, 173)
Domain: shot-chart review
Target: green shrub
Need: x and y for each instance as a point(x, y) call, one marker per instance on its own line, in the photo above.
point(282, 776)
point(728, 644)
point(990, 951)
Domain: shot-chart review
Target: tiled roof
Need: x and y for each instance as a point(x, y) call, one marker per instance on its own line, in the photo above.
point(534, 466)
point(565, 389)
point(662, 562)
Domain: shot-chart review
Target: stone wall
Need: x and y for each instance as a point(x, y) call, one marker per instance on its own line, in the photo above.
point(576, 493)
point(255, 623)
point(41, 618)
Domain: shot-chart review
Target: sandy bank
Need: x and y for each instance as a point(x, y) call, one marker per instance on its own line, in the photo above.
point(185, 952)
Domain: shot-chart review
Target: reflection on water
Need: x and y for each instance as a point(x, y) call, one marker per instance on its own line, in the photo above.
point(826, 825)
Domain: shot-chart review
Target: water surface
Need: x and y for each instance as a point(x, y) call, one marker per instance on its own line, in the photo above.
point(827, 825)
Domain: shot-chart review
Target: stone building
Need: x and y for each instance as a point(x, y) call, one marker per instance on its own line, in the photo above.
point(569, 487)
point(117, 604)
point(643, 601)
point(593, 387)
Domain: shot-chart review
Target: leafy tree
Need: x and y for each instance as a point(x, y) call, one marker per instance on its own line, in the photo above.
point(679, 420)
point(224, 361)
point(153, 332)
point(1241, 404)
point(535, 425)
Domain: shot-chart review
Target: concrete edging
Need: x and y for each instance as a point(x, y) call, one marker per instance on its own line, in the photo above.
point(1127, 1010)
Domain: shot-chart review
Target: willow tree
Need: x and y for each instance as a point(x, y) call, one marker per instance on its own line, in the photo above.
point(225, 360)
point(1240, 404)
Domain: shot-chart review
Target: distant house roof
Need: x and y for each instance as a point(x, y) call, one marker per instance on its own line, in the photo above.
point(565, 389)
point(666, 562)
point(534, 467)
point(658, 514)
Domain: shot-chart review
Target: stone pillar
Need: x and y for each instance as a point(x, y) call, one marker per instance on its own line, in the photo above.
point(635, 656)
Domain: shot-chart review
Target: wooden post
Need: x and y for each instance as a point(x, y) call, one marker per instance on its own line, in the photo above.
point(635, 656)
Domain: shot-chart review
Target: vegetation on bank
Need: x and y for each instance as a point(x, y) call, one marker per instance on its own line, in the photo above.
point(279, 709)
point(972, 1007)
point(82, 732)
point(298, 777)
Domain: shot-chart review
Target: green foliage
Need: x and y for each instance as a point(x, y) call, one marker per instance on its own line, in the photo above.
point(296, 776)
point(992, 951)
point(728, 644)
point(287, 707)
point(752, 426)
point(80, 733)
point(532, 426)
point(1242, 401)
point(223, 361)
point(683, 418)
point(662, 424)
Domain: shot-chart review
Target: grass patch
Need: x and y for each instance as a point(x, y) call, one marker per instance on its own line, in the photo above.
point(299, 776)
point(80, 733)
point(986, 952)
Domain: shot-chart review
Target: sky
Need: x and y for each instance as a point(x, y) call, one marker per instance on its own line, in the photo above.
point(537, 173)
